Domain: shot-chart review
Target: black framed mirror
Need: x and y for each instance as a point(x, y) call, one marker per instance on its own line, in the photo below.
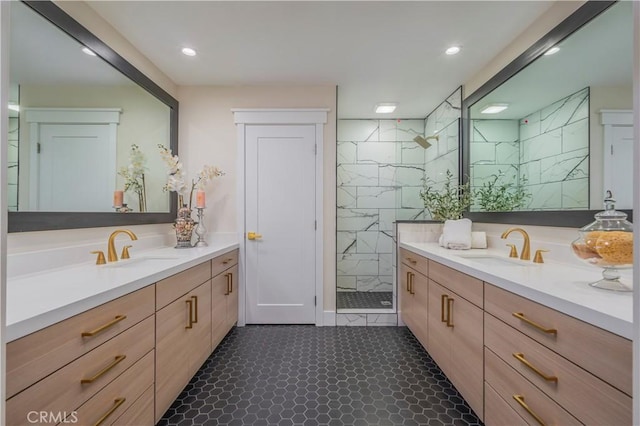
point(543, 97)
point(166, 133)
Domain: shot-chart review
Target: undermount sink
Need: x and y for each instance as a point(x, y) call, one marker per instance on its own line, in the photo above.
point(492, 260)
point(140, 261)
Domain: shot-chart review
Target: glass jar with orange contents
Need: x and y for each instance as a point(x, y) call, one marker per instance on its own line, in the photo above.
point(607, 243)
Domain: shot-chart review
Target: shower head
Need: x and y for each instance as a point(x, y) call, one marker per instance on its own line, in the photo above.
point(422, 141)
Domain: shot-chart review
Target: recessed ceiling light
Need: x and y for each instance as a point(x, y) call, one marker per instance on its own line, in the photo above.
point(494, 108)
point(385, 108)
point(452, 50)
point(554, 49)
point(88, 51)
point(14, 107)
point(188, 51)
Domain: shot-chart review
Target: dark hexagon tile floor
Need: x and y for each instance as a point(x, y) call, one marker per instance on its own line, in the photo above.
point(364, 299)
point(305, 375)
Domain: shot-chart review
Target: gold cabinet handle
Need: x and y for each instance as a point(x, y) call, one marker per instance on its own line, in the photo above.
point(521, 316)
point(190, 321)
point(104, 371)
point(230, 282)
point(228, 276)
point(443, 302)
point(102, 328)
point(195, 308)
point(520, 400)
point(116, 403)
point(520, 357)
point(253, 236)
point(224, 262)
point(413, 261)
point(450, 312)
point(411, 282)
point(408, 278)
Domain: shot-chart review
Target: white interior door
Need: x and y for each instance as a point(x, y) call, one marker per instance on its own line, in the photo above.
point(75, 168)
point(619, 167)
point(280, 208)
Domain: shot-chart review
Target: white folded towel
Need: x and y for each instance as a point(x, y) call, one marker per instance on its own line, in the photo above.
point(478, 239)
point(456, 234)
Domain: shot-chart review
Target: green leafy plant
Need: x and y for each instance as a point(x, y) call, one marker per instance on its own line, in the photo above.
point(447, 203)
point(497, 196)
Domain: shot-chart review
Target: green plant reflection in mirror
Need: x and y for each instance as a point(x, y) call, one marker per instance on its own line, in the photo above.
point(63, 158)
point(539, 136)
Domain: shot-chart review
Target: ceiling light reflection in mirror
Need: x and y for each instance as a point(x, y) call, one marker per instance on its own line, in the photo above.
point(59, 159)
point(549, 142)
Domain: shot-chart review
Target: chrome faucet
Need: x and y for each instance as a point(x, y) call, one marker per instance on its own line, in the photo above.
point(112, 256)
point(526, 247)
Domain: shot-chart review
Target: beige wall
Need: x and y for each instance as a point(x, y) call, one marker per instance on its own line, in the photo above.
point(208, 136)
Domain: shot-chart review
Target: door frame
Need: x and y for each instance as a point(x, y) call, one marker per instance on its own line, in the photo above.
point(281, 116)
point(611, 118)
point(36, 117)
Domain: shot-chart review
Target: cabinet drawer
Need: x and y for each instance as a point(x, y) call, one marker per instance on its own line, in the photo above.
point(181, 283)
point(465, 285)
point(415, 261)
point(140, 413)
point(39, 354)
point(116, 398)
point(497, 411)
point(604, 354)
point(63, 390)
point(583, 395)
point(224, 262)
point(509, 384)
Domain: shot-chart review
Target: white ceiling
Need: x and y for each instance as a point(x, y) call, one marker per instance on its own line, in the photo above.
point(385, 51)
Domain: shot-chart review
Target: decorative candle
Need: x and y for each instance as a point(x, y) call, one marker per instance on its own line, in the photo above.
point(200, 199)
point(118, 197)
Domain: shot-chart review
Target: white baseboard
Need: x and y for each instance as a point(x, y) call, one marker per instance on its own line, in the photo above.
point(329, 319)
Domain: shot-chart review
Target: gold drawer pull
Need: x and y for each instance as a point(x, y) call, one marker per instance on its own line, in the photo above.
point(520, 357)
point(228, 276)
point(116, 403)
point(102, 372)
point(224, 262)
point(102, 328)
point(195, 308)
point(449, 312)
point(190, 322)
point(411, 275)
point(443, 300)
point(408, 279)
point(413, 261)
point(521, 316)
point(520, 400)
point(231, 282)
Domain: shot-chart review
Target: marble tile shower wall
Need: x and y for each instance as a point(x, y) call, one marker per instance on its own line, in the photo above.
point(379, 176)
point(549, 147)
point(554, 154)
point(443, 154)
point(12, 162)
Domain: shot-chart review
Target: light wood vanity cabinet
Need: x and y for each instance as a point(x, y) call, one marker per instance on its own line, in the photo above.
point(413, 295)
point(549, 358)
point(86, 354)
point(455, 331)
point(183, 332)
point(124, 362)
point(225, 303)
point(516, 361)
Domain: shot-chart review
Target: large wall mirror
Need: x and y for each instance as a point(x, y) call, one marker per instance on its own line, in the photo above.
point(83, 124)
point(548, 136)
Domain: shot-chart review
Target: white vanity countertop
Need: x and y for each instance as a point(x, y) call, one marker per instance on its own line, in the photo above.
point(559, 286)
point(36, 301)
